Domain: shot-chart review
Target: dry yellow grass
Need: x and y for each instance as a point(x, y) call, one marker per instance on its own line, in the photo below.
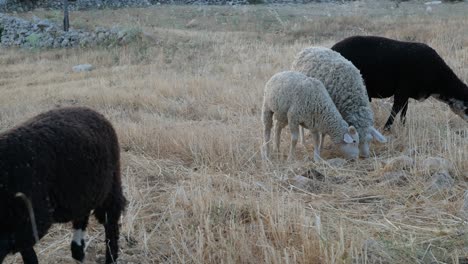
point(186, 104)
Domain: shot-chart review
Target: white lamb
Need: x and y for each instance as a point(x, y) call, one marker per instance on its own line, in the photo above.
point(345, 86)
point(298, 100)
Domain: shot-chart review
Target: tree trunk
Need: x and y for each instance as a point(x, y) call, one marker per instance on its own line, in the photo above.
point(66, 22)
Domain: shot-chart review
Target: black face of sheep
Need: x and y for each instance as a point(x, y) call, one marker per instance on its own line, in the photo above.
point(404, 70)
point(58, 167)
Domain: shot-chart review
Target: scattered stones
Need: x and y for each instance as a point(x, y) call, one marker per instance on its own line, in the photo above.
point(394, 178)
point(336, 162)
point(441, 181)
point(313, 174)
point(83, 68)
point(399, 163)
point(42, 33)
point(435, 164)
point(310, 180)
point(20, 6)
point(309, 185)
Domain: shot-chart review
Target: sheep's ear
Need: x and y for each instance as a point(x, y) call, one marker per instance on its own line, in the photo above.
point(376, 134)
point(347, 138)
point(352, 130)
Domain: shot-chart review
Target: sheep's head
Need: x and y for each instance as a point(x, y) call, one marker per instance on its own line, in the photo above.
point(366, 137)
point(349, 144)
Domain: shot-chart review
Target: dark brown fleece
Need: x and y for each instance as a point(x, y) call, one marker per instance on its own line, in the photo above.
point(67, 162)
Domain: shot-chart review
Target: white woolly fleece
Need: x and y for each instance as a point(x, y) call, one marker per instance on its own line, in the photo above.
point(306, 102)
point(343, 82)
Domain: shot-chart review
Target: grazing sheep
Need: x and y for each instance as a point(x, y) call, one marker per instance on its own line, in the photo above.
point(346, 88)
point(63, 164)
point(404, 70)
point(298, 100)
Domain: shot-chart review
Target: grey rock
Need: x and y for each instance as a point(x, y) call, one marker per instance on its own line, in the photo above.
point(435, 164)
point(399, 163)
point(441, 181)
point(121, 34)
point(337, 162)
point(83, 68)
point(43, 33)
point(65, 43)
point(394, 178)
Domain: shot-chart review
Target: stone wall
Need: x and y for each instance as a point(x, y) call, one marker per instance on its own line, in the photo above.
point(25, 5)
point(45, 34)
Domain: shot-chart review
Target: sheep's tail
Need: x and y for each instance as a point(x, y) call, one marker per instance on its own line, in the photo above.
point(28, 204)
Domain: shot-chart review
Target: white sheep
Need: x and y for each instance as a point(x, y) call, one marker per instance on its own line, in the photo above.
point(345, 86)
point(298, 100)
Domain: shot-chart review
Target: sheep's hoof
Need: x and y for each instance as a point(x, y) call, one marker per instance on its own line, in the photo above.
point(78, 251)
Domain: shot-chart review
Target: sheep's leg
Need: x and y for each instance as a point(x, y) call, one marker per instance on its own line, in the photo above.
point(108, 215)
point(267, 119)
point(294, 128)
point(322, 140)
point(398, 104)
point(278, 127)
point(403, 113)
point(3, 251)
point(316, 140)
point(78, 242)
point(302, 136)
point(29, 256)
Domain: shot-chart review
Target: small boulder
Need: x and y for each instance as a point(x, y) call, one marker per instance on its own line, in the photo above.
point(441, 181)
point(83, 68)
point(192, 23)
point(394, 178)
point(313, 174)
point(336, 162)
point(399, 163)
point(301, 182)
point(308, 184)
point(435, 164)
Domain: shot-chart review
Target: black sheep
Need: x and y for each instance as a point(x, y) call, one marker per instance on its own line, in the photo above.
point(404, 70)
point(66, 163)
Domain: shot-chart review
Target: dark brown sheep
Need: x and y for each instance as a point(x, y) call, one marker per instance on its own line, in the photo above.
point(66, 162)
point(404, 70)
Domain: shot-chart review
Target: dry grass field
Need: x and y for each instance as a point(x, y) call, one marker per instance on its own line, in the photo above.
point(186, 99)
